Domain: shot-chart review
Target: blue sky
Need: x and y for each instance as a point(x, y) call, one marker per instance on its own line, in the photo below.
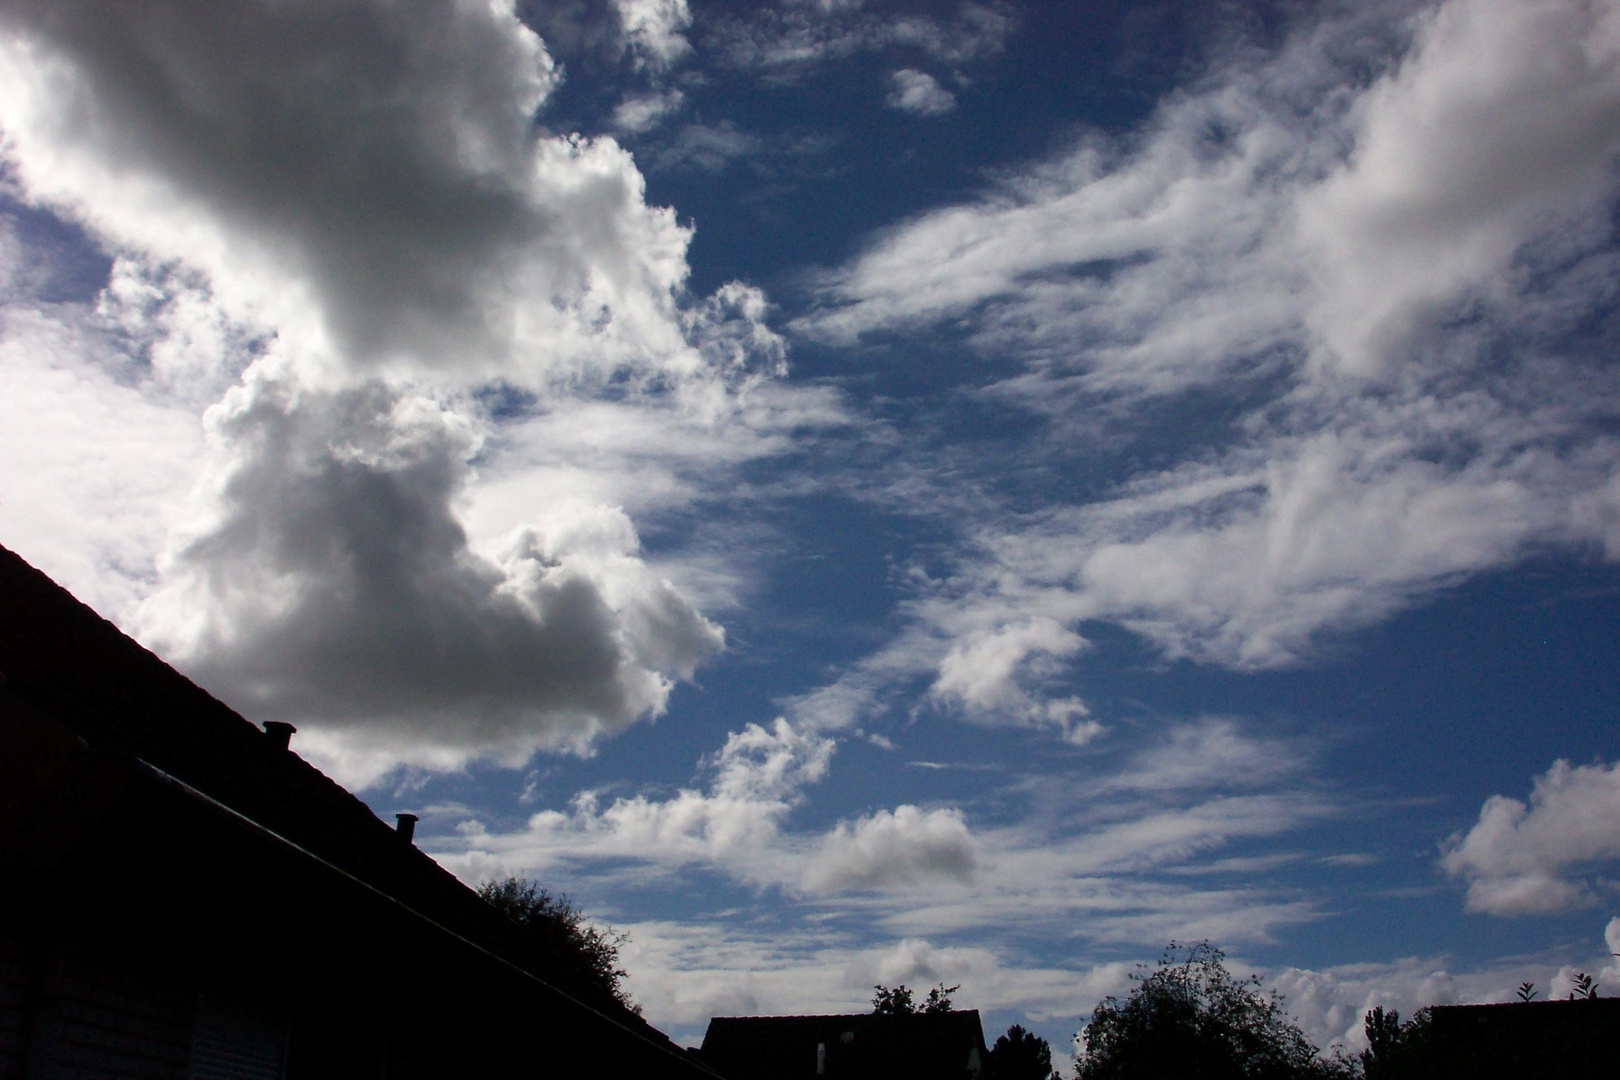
point(859, 492)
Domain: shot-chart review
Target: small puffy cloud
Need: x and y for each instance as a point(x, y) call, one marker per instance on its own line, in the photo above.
point(653, 30)
point(919, 92)
point(982, 673)
point(1523, 859)
point(901, 846)
point(991, 674)
point(737, 824)
point(640, 113)
point(757, 777)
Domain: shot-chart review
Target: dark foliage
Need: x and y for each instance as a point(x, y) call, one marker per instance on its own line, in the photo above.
point(1020, 1055)
point(1396, 1050)
point(1190, 1019)
point(590, 953)
point(896, 1002)
point(901, 1002)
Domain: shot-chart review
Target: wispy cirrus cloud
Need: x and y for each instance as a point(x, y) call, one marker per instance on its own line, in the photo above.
point(784, 40)
point(1139, 853)
point(1252, 245)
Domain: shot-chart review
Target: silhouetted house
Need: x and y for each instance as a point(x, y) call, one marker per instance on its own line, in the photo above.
point(183, 896)
point(922, 1046)
point(1526, 1040)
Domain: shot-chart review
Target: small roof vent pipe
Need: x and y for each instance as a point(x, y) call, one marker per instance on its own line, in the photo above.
point(279, 733)
point(407, 826)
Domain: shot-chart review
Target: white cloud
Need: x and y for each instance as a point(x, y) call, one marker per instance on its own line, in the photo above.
point(983, 672)
point(919, 92)
point(331, 582)
point(1129, 859)
point(413, 225)
point(1247, 245)
point(74, 500)
point(352, 281)
point(640, 113)
point(653, 29)
point(757, 778)
point(1209, 753)
point(902, 846)
point(785, 39)
point(736, 825)
point(1502, 121)
point(706, 147)
point(1526, 860)
point(685, 973)
point(1331, 1004)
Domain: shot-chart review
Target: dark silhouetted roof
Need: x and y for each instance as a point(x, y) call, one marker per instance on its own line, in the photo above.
point(925, 1046)
point(60, 661)
point(1527, 1040)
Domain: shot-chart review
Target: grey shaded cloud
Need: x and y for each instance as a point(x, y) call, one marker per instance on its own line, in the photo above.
point(784, 40)
point(365, 177)
point(905, 845)
point(653, 30)
point(340, 236)
point(333, 584)
point(919, 92)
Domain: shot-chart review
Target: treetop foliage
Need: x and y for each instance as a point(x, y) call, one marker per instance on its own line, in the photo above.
point(590, 953)
point(900, 1001)
point(1191, 1019)
point(1020, 1055)
point(1395, 1050)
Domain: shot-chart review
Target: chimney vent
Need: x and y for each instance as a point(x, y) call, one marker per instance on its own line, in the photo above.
point(279, 733)
point(407, 826)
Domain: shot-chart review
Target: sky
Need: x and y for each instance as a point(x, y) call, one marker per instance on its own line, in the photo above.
point(859, 492)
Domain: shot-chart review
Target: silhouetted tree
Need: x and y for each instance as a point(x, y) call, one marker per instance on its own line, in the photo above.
point(1586, 988)
point(1395, 1050)
point(1190, 1019)
point(939, 998)
point(896, 1002)
point(1020, 1055)
point(901, 1002)
point(591, 953)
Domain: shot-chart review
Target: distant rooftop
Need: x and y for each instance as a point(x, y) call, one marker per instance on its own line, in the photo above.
point(921, 1046)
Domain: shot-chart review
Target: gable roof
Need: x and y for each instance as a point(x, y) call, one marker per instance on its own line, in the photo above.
point(63, 663)
point(855, 1045)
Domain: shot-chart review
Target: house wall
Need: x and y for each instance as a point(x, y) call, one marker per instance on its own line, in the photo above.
point(71, 1017)
point(15, 983)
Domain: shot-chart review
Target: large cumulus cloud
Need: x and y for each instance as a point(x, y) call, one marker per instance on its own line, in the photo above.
point(352, 272)
point(332, 581)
